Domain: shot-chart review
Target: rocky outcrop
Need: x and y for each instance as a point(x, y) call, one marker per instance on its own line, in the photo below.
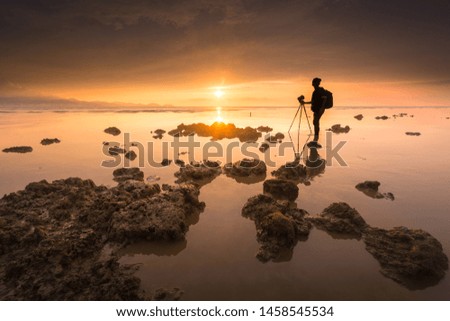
point(293, 171)
point(116, 150)
point(264, 129)
point(278, 226)
point(338, 129)
point(131, 155)
point(359, 117)
point(198, 173)
point(49, 141)
point(112, 131)
point(370, 188)
point(58, 240)
point(278, 137)
point(340, 219)
point(412, 258)
point(18, 149)
point(263, 147)
point(314, 164)
point(124, 174)
point(246, 170)
point(153, 215)
point(413, 133)
point(158, 134)
point(217, 131)
point(166, 162)
point(281, 189)
point(384, 117)
point(162, 294)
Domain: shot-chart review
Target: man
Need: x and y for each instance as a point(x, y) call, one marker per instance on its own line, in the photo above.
point(317, 102)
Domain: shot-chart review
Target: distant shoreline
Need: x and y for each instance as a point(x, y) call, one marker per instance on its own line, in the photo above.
point(182, 109)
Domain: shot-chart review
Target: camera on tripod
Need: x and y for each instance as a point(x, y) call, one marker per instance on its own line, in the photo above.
point(301, 99)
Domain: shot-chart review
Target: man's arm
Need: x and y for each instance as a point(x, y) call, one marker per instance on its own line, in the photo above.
point(302, 101)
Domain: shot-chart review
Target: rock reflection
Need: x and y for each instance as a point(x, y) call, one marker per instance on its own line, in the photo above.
point(158, 248)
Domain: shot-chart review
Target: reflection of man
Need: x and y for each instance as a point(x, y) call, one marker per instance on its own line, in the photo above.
point(314, 164)
point(317, 102)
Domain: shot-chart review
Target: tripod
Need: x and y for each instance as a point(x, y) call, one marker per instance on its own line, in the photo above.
point(301, 108)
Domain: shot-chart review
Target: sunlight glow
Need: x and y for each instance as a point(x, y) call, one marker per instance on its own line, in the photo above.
point(219, 117)
point(218, 93)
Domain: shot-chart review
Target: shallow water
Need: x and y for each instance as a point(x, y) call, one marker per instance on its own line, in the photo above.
point(217, 260)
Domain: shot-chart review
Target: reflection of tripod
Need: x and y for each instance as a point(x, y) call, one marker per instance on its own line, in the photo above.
point(302, 110)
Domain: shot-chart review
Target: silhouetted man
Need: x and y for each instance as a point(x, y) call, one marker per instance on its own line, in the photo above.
point(317, 102)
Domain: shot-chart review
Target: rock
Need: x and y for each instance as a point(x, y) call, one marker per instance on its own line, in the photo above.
point(113, 131)
point(161, 294)
point(180, 162)
point(382, 117)
point(281, 189)
point(264, 129)
point(116, 150)
point(314, 164)
point(413, 133)
point(161, 217)
point(166, 162)
point(174, 133)
point(152, 178)
point(341, 220)
point(370, 188)
point(246, 170)
point(159, 133)
point(337, 129)
point(261, 205)
point(18, 149)
point(217, 131)
point(400, 115)
point(359, 117)
point(279, 136)
point(264, 147)
point(54, 235)
point(278, 227)
point(131, 155)
point(49, 141)
point(412, 258)
point(198, 173)
point(275, 232)
point(123, 174)
point(293, 171)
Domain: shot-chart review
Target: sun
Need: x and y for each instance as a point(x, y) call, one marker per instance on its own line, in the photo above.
point(218, 93)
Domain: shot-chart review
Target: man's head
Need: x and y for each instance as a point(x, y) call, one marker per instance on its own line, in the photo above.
point(316, 82)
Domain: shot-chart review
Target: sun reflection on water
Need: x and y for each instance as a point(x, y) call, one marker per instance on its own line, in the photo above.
point(219, 117)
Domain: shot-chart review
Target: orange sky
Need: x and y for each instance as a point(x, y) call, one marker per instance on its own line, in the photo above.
point(261, 53)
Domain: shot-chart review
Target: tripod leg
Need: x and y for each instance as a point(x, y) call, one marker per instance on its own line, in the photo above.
point(298, 132)
point(293, 120)
point(307, 119)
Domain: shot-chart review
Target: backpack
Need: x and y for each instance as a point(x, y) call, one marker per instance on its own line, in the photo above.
point(329, 98)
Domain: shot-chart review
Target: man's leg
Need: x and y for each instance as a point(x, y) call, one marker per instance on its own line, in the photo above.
point(316, 124)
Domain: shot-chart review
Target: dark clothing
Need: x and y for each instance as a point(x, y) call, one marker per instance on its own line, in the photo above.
point(316, 124)
point(317, 107)
point(317, 99)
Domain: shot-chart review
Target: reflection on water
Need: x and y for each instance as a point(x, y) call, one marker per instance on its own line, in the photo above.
point(155, 248)
point(217, 260)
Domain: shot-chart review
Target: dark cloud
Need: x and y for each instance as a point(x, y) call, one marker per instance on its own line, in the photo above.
point(170, 43)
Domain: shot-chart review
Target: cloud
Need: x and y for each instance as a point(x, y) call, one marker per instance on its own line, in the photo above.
point(58, 45)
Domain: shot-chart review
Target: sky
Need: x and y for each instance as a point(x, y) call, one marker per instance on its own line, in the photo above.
point(256, 52)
